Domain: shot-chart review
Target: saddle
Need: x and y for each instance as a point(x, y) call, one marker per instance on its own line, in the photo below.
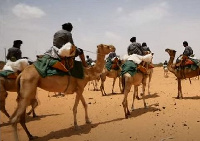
point(64, 65)
point(116, 63)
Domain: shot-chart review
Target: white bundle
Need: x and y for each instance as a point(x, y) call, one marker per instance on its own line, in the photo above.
point(18, 65)
point(138, 58)
point(65, 50)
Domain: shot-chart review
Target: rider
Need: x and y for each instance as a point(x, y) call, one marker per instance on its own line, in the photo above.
point(14, 53)
point(89, 60)
point(186, 53)
point(165, 64)
point(145, 48)
point(136, 48)
point(64, 36)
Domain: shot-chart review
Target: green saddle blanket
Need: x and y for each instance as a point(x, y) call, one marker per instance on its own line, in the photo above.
point(129, 67)
point(6, 73)
point(44, 67)
point(109, 64)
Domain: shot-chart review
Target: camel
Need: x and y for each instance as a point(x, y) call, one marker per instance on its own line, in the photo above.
point(135, 80)
point(111, 74)
point(10, 85)
point(30, 79)
point(94, 83)
point(188, 73)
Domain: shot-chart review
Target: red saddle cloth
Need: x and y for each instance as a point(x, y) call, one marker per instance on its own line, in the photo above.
point(188, 62)
point(13, 75)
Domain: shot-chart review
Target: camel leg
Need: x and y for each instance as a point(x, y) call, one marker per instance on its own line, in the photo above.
point(102, 85)
point(88, 85)
point(34, 104)
point(75, 111)
point(150, 76)
point(143, 93)
point(180, 95)
point(18, 116)
point(86, 109)
point(120, 84)
point(3, 95)
point(114, 79)
point(125, 102)
point(134, 95)
point(22, 122)
point(95, 88)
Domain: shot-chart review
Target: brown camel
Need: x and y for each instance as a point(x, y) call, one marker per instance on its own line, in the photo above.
point(188, 73)
point(30, 79)
point(111, 74)
point(135, 80)
point(9, 85)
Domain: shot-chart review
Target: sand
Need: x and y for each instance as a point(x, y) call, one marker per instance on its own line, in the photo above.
point(165, 118)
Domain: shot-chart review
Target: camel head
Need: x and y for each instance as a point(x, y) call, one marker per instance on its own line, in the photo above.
point(105, 49)
point(171, 52)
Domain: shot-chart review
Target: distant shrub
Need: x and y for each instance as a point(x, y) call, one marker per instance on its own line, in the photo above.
point(158, 65)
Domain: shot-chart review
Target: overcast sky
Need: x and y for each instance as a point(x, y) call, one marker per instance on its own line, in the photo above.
point(160, 23)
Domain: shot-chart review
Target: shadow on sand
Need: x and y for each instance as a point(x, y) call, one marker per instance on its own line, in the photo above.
point(189, 98)
point(141, 111)
point(84, 129)
point(29, 118)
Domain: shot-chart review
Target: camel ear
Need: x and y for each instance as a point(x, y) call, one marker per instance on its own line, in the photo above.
point(100, 45)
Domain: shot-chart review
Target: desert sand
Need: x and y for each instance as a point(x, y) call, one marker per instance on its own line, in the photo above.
point(165, 119)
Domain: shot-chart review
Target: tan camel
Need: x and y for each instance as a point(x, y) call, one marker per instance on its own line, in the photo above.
point(10, 85)
point(94, 83)
point(135, 80)
point(188, 73)
point(30, 79)
point(111, 74)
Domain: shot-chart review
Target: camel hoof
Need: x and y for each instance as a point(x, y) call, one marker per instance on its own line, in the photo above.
point(137, 97)
point(76, 127)
point(88, 122)
point(35, 116)
point(33, 137)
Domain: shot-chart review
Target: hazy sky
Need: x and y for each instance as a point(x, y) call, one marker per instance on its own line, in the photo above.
point(160, 23)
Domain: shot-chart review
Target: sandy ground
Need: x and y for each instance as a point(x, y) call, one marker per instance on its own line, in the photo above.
point(165, 119)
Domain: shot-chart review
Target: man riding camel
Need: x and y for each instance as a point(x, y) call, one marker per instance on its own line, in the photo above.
point(14, 53)
point(136, 48)
point(64, 36)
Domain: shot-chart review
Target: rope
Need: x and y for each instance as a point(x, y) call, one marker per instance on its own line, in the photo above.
point(92, 52)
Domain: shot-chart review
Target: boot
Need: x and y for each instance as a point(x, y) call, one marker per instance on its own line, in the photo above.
point(82, 57)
